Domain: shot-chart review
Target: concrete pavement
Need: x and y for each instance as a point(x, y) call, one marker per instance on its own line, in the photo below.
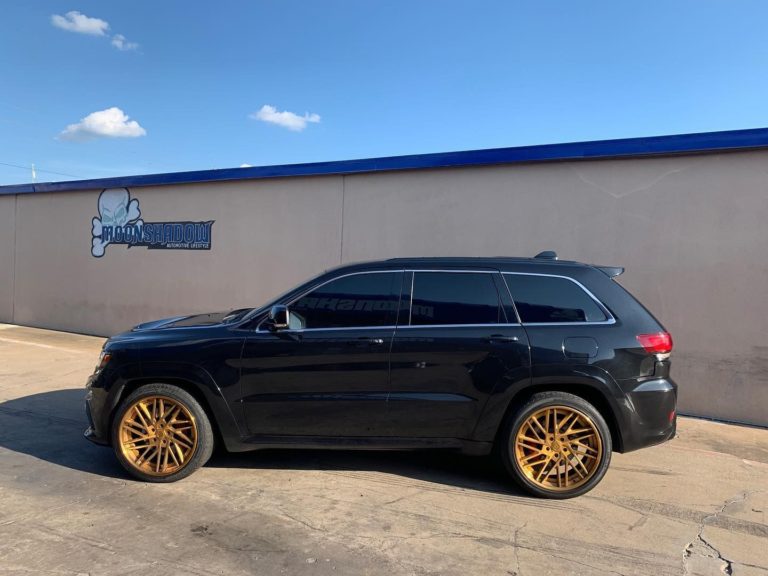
point(696, 505)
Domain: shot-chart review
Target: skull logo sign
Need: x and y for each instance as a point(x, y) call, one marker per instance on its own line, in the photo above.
point(119, 222)
point(116, 211)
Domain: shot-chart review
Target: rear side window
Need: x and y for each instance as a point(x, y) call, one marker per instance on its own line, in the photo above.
point(441, 298)
point(550, 299)
point(360, 300)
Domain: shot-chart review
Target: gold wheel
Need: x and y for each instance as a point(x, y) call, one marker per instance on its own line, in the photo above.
point(558, 448)
point(157, 435)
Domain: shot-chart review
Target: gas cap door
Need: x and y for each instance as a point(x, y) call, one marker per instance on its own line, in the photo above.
point(580, 347)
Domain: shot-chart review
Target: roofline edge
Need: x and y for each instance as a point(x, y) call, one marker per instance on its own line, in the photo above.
point(731, 140)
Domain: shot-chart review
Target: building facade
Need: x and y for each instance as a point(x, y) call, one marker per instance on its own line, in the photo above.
point(684, 214)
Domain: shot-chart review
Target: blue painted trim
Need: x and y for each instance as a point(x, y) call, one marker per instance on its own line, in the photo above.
point(628, 147)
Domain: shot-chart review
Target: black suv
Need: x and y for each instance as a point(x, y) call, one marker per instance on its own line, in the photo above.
point(552, 364)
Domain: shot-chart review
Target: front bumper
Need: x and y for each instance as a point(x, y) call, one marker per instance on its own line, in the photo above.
point(96, 410)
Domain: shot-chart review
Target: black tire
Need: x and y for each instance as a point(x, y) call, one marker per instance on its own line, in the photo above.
point(180, 445)
point(524, 459)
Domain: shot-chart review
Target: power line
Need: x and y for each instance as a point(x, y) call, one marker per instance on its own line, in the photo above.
point(37, 169)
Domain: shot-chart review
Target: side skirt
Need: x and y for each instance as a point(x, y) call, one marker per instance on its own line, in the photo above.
point(361, 443)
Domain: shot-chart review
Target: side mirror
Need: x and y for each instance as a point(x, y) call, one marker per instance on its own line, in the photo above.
point(278, 317)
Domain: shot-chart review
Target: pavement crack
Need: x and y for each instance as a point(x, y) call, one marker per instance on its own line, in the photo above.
point(302, 522)
point(398, 499)
point(700, 546)
point(515, 537)
point(639, 522)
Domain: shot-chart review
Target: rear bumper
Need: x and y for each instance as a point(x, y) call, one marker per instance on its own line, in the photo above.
point(651, 413)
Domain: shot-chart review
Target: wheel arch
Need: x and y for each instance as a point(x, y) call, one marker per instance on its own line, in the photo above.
point(588, 382)
point(213, 404)
point(591, 393)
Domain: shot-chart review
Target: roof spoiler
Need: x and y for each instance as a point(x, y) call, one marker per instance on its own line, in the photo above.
point(611, 271)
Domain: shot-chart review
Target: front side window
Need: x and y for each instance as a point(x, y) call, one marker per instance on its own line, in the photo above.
point(360, 300)
point(441, 298)
point(552, 299)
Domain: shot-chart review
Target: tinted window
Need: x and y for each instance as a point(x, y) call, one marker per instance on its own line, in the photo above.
point(551, 299)
point(454, 298)
point(351, 301)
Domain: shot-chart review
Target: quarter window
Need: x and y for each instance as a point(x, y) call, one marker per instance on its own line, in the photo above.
point(550, 299)
point(454, 298)
point(351, 301)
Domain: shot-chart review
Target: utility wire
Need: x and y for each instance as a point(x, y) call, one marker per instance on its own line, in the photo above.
point(37, 169)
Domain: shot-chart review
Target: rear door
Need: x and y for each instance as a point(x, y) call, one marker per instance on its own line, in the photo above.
point(450, 351)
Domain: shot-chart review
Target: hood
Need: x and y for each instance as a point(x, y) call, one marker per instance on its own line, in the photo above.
point(195, 320)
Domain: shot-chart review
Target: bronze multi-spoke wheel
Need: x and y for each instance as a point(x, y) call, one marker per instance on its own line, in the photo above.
point(161, 433)
point(158, 435)
point(557, 445)
point(558, 448)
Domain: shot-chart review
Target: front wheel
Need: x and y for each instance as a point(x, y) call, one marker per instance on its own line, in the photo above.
point(160, 433)
point(556, 446)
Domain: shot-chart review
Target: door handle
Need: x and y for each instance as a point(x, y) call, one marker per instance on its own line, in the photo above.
point(500, 338)
point(372, 341)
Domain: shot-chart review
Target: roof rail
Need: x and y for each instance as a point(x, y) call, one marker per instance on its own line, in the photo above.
point(547, 255)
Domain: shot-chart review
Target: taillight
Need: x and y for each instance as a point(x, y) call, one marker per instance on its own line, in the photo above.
point(659, 343)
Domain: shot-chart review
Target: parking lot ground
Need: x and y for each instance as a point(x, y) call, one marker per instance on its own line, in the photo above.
point(695, 505)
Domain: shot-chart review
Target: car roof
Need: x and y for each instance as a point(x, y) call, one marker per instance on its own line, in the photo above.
point(486, 262)
point(543, 262)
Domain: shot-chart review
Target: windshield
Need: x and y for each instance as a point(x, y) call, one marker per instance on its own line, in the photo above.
point(247, 313)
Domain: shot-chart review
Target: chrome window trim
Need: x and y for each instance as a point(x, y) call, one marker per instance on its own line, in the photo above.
point(458, 270)
point(313, 288)
point(610, 318)
point(608, 322)
point(495, 325)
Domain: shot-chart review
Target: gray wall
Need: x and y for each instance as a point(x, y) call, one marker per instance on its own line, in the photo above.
point(7, 241)
point(688, 229)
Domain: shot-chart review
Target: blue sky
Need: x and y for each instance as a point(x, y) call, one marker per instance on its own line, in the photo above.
point(363, 78)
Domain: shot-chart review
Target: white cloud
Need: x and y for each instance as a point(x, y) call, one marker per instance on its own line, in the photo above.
point(285, 119)
point(74, 21)
point(109, 123)
point(245, 165)
point(78, 22)
point(119, 42)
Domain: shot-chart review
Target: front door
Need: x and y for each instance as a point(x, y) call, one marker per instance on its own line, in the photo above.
point(449, 354)
point(327, 375)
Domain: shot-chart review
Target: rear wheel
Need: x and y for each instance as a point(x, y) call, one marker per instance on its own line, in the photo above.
point(557, 445)
point(160, 433)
